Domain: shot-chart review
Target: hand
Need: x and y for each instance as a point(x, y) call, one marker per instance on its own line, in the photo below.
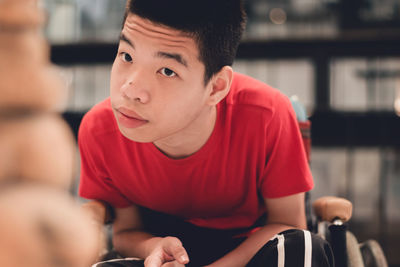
point(168, 253)
point(173, 264)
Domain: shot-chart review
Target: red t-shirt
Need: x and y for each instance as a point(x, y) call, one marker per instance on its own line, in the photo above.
point(254, 152)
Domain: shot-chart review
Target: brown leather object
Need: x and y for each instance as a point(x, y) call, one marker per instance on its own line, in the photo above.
point(44, 227)
point(19, 14)
point(330, 208)
point(37, 148)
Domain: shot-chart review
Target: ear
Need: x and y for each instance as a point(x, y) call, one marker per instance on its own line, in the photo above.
point(220, 85)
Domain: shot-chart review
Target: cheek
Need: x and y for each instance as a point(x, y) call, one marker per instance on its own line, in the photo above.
point(115, 80)
point(184, 106)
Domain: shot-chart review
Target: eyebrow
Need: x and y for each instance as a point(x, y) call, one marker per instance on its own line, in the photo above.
point(177, 57)
point(122, 37)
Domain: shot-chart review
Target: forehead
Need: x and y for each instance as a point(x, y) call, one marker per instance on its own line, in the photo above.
point(162, 35)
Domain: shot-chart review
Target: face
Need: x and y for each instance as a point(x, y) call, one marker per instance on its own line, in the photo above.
point(157, 82)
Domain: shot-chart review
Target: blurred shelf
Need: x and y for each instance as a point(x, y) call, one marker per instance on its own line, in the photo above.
point(366, 129)
point(83, 53)
point(96, 53)
point(315, 48)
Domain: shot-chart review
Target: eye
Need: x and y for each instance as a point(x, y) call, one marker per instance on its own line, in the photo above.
point(168, 72)
point(126, 57)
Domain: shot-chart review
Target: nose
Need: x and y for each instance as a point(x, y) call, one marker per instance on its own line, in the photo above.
point(134, 89)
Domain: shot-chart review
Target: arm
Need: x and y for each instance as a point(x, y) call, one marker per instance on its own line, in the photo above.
point(283, 213)
point(130, 240)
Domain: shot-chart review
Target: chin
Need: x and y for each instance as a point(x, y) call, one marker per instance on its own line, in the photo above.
point(136, 137)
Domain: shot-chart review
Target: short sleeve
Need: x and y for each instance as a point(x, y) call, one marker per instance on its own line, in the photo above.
point(94, 180)
point(286, 171)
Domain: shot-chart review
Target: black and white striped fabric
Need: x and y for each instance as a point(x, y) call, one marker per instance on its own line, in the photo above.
point(294, 248)
point(126, 262)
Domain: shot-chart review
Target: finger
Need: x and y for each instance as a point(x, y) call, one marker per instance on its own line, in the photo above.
point(173, 246)
point(173, 264)
point(153, 261)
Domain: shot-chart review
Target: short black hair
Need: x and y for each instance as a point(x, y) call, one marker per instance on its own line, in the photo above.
point(215, 25)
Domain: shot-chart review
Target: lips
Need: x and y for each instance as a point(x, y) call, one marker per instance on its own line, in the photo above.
point(129, 118)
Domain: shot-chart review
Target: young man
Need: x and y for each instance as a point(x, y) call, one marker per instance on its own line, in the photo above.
point(202, 165)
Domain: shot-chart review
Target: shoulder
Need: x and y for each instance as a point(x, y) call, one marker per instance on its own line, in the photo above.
point(248, 91)
point(98, 120)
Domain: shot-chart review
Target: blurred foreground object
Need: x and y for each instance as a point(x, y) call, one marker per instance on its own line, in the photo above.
point(37, 148)
point(44, 228)
point(28, 80)
point(40, 225)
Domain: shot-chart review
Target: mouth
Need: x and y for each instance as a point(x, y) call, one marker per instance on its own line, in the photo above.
point(129, 118)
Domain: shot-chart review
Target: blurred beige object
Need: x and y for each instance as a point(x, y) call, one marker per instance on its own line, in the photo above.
point(28, 80)
point(28, 88)
point(18, 49)
point(330, 208)
point(18, 14)
point(44, 227)
point(37, 148)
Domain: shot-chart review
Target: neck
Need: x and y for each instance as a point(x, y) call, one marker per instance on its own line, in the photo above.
point(190, 139)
